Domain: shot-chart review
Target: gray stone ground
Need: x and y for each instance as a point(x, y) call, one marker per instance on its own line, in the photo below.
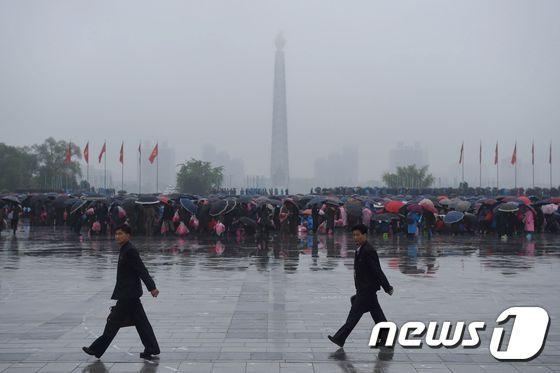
point(243, 307)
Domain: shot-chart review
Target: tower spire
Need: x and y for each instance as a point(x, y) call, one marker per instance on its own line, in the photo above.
point(279, 166)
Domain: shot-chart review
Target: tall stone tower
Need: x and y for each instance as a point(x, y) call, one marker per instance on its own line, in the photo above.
point(279, 167)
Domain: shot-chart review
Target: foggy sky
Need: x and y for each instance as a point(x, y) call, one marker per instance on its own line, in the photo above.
point(365, 74)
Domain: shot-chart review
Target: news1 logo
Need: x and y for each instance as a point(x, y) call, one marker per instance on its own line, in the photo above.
point(526, 341)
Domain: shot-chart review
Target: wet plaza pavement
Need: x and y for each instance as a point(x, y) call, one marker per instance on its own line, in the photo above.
point(245, 306)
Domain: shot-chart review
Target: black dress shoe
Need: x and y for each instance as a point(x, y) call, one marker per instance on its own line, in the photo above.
point(148, 356)
point(338, 343)
point(89, 351)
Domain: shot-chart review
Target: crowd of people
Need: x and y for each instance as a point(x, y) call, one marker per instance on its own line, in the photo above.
point(262, 214)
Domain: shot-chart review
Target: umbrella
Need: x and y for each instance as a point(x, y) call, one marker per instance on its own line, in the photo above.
point(60, 202)
point(445, 202)
point(353, 210)
point(387, 217)
point(489, 201)
point(12, 199)
point(415, 208)
point(316, 200)
point(551, 208)
point(470, 218)
point(333, 201)
point(147, 200)
point(268, 201)
point(442, 197)
point(189, 205)
point(245, 199)
point(508, 207)
point(218, 207)
point(77, 205)
point(231, 203)
point(524, 200)
point(248, 222)
point(453, 217)
point(393, 206)
point(430, 208)
point(460, 205)
point(426, 201)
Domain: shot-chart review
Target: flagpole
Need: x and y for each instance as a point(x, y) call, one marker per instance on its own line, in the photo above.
point(122, 175)
point(157, 170)
point(533, 162)
point(140, 168)
point(480, 166)
point(105, 168)
point(550, 166)
point(515, 152)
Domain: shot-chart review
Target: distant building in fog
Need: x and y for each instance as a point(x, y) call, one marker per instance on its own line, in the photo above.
point(405, 155)
point(234, 168)
point(337, 169)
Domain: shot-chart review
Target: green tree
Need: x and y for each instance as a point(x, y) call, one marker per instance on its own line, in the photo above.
point(53, 172)
point(409, 177)
point(18, 167)
point(198, 177)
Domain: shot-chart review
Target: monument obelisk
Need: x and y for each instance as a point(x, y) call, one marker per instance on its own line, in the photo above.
point(279, 167)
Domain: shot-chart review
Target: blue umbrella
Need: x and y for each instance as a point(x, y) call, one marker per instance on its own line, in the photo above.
point(189, 205)
point(453, 217)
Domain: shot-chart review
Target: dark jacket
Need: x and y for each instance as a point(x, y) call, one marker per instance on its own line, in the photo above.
point(129, 272)
point(368, 275)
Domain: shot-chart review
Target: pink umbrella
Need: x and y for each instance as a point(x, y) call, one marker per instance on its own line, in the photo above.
point(551, 208)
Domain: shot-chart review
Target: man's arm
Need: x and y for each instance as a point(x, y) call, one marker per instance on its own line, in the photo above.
point(140, 269)
point(375, 266)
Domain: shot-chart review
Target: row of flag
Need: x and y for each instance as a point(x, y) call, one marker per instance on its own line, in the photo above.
point(68, 159)
point(513, 156)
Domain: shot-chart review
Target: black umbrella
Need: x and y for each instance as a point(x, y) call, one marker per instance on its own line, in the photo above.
point(508, 207)
point(77, 205)
point(248, 222)
point(60, 202)
point(218, 207)
point(333, 201)
point(354, 209)
point(231, 203)
point(268, 201)
point(147, 200)
point(189, 205)
point(12, 199)
point(316, 200)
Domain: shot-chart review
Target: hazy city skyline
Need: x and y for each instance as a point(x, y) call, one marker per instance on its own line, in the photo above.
point(366, 76)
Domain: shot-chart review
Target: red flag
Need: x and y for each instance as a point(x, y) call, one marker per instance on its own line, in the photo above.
point(103, 150)
point(461, 156)
point(86, 152)
point(121, 156)
point(68, 158)
point(496, 154)
point(154, 154)
point(533, 154)
point(514, 155)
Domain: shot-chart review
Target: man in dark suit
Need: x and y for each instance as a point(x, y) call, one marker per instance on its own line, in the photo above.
point(368, 279)
point(128, 291)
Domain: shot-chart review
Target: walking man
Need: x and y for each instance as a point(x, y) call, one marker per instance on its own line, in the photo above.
point(128, 291)
point(368, 279)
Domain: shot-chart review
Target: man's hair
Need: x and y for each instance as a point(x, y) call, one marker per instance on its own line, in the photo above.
point(125, 228)
point(360, 227)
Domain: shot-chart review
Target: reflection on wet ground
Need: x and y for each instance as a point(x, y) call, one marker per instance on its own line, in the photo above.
point(265, 306)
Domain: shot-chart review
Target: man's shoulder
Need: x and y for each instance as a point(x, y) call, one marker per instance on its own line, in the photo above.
point(368, 246)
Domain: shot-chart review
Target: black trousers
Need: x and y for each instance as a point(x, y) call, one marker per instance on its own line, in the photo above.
point(360, 305)
point(132, 308)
